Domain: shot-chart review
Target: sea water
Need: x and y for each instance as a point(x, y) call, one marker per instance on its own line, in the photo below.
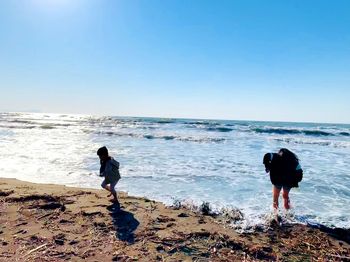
point(188, 160)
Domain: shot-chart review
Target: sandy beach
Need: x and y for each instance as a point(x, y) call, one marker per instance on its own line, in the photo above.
point(40, 222)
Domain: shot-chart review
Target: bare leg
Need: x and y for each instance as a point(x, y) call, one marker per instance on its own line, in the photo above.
point(115, 198)
point(285, 195)
point(111, 188)
point(108, 188)
point(275, 196)
point(113, 192)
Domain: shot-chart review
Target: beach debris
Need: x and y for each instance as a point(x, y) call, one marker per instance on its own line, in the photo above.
point(33, 197)
point(205, 209)
point(343, 258)
point(6, 193)
point(21, 224)
point(34, 238)
point(189, 251)
point(22, 231)
point(53, 205)
point(65, 221)
point(91, 213)
point(3, 242)
point(339, 233)
point(163, 219)
point(160, 249)
point(80, 193)
point(36, 249)
point(59, 239)
point(227, 215)
point(100, 224)
point(121, 258)
point(73, 242)
point(201, 220)
point(45, 215)
point(231, 215)
point(261, 252)
point(176, 204)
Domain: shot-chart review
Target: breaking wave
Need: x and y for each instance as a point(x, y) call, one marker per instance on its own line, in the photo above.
point(283, 131)
point(342, 144)
point(220, 129)
point(164, 137)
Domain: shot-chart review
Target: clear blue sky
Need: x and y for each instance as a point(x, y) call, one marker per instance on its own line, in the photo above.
point(236, 59)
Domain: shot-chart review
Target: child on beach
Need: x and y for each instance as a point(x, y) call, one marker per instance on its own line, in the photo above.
point(110, 171)
point(285, 173)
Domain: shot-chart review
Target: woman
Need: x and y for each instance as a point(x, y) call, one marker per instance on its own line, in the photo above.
point(285, 173)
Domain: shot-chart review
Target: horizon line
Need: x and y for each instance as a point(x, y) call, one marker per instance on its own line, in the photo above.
point(180, 118)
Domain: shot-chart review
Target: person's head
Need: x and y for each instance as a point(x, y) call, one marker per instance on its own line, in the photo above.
point(103, 153)
point(267, 161)
point(287, 154)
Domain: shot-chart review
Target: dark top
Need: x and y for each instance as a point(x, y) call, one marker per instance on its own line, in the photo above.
point(283, 172)
point(103, 165)
point(110, 170)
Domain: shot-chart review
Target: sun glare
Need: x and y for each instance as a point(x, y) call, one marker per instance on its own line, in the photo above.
point(54, 5)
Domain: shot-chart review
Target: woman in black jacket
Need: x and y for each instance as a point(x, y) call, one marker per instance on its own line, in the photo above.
point(285, 173)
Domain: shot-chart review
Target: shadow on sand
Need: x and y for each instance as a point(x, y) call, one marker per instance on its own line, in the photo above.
point(124, 222)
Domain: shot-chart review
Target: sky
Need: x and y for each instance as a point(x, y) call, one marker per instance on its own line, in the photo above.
point(238, 59)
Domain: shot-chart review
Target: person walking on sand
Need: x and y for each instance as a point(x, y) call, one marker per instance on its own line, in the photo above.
point(110, 171)
point(285, 173)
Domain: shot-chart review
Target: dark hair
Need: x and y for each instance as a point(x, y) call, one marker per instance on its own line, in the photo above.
point(288, 155)
point(103, 151)
point(267, 161)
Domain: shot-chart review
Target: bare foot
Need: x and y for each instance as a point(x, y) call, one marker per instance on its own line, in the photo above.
point(287, 204)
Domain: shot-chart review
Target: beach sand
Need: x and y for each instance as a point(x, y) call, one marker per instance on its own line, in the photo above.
point(40, 222)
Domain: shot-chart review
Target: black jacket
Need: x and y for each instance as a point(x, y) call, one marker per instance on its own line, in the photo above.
point(283, 172)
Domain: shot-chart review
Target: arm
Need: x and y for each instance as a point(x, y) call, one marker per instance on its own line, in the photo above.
point(102, 168)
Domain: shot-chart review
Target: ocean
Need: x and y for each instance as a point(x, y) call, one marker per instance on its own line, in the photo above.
point(187, 160)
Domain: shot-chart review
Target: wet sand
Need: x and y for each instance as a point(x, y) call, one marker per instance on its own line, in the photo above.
point(56, 223)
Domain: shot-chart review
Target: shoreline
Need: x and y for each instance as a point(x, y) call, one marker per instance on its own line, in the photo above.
point(45, 222)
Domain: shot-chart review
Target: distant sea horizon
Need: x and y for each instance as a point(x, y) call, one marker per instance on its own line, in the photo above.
point(179, 118)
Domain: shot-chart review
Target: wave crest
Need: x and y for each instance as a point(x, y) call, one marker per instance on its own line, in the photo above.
point(284, 131)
